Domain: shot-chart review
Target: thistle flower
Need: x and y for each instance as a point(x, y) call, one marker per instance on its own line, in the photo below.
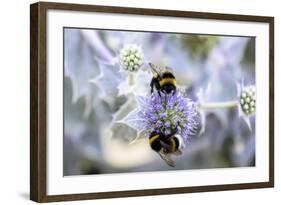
point(169, 114)
point(131, 57)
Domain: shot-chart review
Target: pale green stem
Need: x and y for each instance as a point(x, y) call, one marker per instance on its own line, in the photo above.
point(131, 79)
point(214, 105)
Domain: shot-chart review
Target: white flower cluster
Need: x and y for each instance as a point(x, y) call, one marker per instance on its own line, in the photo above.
point(248, 100)
point(131, 57)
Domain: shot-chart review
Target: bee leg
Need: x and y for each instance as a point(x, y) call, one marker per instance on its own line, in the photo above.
point(159, 93)
point(152, 86)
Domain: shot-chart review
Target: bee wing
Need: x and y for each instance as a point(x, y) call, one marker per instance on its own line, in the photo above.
point(178, 152)
point(166, 158)
point(155, 69)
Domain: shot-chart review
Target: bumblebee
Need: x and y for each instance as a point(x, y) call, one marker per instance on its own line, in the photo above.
point(163, 80)
point(166, 145)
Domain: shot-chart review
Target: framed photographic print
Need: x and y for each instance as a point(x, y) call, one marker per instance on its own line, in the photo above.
point(134, 102)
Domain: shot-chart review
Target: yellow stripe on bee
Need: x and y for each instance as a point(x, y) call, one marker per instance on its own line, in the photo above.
point(173, 144)
point(152, 139)
point(164, 81)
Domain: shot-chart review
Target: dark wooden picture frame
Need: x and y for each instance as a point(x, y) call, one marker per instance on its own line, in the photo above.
point(38, 100)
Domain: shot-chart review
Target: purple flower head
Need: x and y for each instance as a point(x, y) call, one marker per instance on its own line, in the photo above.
point(167, 132)
point(167, 124)
point(172, 114)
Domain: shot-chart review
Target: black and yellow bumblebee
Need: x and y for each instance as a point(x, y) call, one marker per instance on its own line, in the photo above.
point(166, 145)
point(163, 80)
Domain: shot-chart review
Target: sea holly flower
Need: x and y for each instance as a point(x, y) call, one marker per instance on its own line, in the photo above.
point(129, 78)
point(168, 114)
point(131, 57)
point(247, 102)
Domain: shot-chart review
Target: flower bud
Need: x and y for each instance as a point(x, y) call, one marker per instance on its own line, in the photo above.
point(131, 57)
point(248, 100)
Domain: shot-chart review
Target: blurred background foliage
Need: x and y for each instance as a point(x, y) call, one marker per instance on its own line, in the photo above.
point(93, 100)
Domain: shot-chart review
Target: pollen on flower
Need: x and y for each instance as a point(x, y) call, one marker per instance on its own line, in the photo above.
point(169, 114)
point(131, 57)
point(248, 100)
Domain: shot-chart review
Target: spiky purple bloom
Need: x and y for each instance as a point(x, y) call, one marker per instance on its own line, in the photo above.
point(169, 114)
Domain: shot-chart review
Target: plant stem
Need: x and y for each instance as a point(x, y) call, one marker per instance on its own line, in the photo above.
point(131, 79)
point(214, 105)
